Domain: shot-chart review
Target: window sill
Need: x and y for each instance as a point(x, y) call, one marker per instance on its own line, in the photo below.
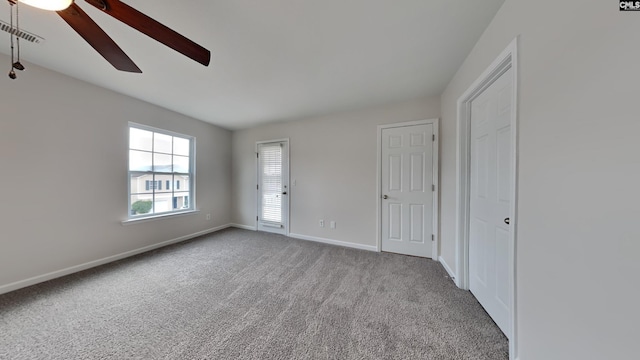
point(158, 217)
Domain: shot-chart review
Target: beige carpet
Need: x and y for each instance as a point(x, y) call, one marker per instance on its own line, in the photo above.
point(239, 294)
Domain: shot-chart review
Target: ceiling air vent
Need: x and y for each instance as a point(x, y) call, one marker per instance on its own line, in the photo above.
point(21, 34)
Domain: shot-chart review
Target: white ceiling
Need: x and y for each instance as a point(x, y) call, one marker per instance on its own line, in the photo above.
point(272, 60)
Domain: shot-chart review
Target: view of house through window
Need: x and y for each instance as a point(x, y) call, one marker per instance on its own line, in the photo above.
point(160, 171)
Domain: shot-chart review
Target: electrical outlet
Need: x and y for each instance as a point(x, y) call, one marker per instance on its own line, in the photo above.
point(208, 216)
point(332, 224)
point(321, 223)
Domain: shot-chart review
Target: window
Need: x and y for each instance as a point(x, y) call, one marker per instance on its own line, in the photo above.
point(157, 156)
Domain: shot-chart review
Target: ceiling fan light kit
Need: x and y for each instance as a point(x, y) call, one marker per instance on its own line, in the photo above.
point(53, 5)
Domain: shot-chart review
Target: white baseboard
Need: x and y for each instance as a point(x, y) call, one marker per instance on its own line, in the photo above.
point(73, 269)
point(315, 239)
point(246, 227)
point(452, 275)
point(334, 242)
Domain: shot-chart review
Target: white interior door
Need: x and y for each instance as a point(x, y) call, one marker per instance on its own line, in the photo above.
point(490, 199)
point(407, 190)
point(273, 187)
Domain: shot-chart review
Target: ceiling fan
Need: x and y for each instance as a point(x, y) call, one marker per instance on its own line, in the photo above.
point(104, 45)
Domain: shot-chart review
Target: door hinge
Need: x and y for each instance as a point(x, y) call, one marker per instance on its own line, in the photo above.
point(433, 187)
point(256, 218)
point(433, 137)
point(257, 187)
point(433, 237)
point(257, 155)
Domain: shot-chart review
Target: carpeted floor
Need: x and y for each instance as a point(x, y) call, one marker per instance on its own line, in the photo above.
point(239, 294)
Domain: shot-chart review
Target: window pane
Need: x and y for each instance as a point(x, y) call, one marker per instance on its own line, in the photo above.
point(141, 183)
point(162, 180)
point(180, 200)
point(162, 202)
point(184, 182)
point(141, 204)
point(181, 146)
point(139, 161)
point(162, 163)
point(162, 143)
point(180, 164)
point(140, 139)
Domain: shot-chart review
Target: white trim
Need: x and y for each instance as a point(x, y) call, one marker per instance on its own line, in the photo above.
point(287, 179)
point(508, 59)
point(157, 217)
point(245, 227)
point(435, 249)
point(334, 242)
point(73, 269)
point(446, 266)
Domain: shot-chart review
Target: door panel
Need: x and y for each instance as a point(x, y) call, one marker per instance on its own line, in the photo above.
point(490, 199)
point(395, 172)
point(406, 180)
point(395, 222)
point(417, 223)
point(417, 172)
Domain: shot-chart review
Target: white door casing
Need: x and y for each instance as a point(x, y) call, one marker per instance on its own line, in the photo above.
point(490, 199)
point(506, 62)
point(407, 173)
point(273, 186)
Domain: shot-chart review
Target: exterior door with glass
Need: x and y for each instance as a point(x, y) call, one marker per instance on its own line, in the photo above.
point(273, 186)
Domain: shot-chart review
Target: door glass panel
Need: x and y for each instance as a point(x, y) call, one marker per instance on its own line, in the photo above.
point(271, 182)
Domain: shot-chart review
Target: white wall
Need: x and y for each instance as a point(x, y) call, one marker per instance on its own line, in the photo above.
point(578, 239)
point(63, 158)
point(333, 160)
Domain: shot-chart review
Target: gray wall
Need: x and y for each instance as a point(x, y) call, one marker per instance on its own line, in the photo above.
point(333, 160)
point(578, 238)
point(63, 157)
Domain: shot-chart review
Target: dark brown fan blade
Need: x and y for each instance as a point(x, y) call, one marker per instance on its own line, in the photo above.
point(97, 38)
point(153, 29)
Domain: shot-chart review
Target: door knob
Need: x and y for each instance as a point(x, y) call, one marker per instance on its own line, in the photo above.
point(507, 221)
point(385, 197)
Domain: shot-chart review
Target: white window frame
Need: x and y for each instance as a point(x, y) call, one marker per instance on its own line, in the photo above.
point(192, 175)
